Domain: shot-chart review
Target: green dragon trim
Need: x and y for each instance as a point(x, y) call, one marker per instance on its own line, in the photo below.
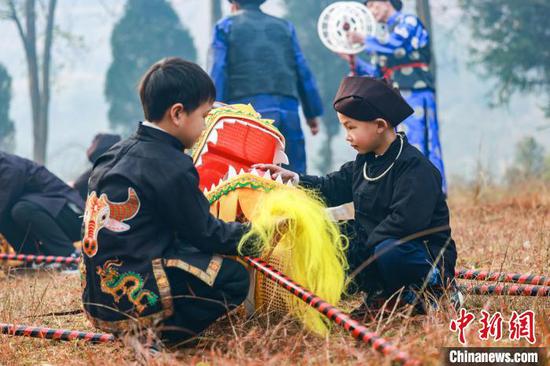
point(129, 283)
point(246, 180)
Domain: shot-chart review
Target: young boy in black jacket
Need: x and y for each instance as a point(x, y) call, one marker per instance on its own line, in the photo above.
point(401, 215)
point(151, 249)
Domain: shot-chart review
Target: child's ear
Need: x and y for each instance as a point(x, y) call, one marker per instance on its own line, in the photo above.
point(176, 113)
point(382, 124)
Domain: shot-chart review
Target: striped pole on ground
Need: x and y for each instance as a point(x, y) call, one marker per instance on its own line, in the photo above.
point(482, 275)
point(31, 258)
point(356, 329)
point(57, 334)
point(504, 290)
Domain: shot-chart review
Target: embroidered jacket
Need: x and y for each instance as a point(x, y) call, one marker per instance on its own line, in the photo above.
point(145, 212)
point(407, 201)
point(402, 55)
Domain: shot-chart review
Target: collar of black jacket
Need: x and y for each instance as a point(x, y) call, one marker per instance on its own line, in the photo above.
point(390, 155)
point(149, 133)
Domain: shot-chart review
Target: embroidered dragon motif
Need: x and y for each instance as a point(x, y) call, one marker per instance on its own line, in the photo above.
point(128, 283)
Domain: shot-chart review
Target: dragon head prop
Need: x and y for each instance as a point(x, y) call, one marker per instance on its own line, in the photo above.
point(236, 135)
point(291, 227)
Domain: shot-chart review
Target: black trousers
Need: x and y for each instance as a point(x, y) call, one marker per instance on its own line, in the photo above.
point(32, 230)
point(197, 305)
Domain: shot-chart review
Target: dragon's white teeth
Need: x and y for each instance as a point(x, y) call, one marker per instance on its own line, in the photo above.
point(280, 157)
point(231, 172)
point(254, 172)
point(267, 174)
point(279, 179)
point(289, 183)
point(213, 137)
point(205, 191)
point(221, 181)
point(212, 188)
point(218, 126)
point(204, 149)
point(199, 161)
point(241, 171)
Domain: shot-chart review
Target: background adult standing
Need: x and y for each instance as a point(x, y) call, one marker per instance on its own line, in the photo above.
point(256, 58)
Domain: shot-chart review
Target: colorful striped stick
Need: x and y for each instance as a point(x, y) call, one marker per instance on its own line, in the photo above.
point(38, 258)
point(500, 289)
point(356, 329)
point(58, 334)
point(528, 279)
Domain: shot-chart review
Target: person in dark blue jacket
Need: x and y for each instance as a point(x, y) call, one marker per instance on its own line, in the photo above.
point(39, 213)
point(255, 58)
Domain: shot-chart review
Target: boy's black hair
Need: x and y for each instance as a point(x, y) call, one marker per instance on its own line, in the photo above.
point(174, 80)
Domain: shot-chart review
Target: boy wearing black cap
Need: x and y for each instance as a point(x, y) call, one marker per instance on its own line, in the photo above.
point(403, 239)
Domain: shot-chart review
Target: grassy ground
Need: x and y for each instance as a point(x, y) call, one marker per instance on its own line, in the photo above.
point(494, 229)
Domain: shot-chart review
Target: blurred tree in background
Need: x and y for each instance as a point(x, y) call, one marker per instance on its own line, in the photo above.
point(529, 162)
point(28, 16)
point(148, 31)
point(7, 130)
point(513, 41)
point(327, 67)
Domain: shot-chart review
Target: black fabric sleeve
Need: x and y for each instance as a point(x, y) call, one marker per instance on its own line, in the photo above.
point(12, 183)
point(335, 188)
point(413, 203)
point(188, 210)
point(81, 184)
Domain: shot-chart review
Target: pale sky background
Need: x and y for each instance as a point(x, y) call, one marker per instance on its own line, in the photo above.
point(470, 131)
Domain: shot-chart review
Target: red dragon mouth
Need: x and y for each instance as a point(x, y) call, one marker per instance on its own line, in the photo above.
point(236, 136)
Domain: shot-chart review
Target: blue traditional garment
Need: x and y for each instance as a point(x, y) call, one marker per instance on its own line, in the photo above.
point(255, 58)
point(403, 56)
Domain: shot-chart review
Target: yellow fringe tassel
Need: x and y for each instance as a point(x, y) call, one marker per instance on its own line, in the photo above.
point(295, 221)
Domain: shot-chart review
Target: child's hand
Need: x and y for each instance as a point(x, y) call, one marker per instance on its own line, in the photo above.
point(286, 175)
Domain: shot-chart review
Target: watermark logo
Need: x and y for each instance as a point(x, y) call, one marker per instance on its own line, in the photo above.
point(491, 326)
point(459, 325)
point(520, 326)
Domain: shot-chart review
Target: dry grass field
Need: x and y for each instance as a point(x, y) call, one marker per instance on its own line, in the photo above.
point(494, 229)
